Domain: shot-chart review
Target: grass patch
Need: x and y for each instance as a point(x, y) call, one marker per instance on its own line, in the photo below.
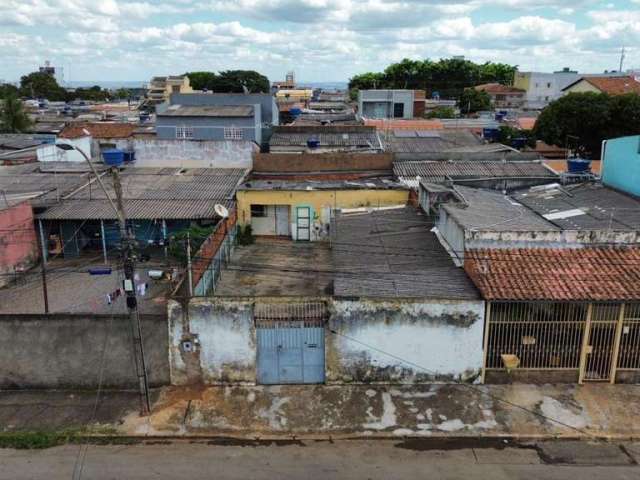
point(36, 440)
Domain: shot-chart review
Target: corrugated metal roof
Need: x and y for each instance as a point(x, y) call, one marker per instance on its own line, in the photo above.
point(488, 210)
point(602, 208)
point(329, 139)
point(580, 274)
point(436, 172)
point(155, 193)
point(393, 253)
point(207, 111)
point(429, 141)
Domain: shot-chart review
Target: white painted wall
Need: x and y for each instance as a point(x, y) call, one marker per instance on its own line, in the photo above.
point(443, 337)
point(51, 153)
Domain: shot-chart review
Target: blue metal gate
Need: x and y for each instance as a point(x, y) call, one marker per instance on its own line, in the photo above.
point(290, 342)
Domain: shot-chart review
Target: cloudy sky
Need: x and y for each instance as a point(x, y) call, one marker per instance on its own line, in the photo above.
point(322, 40)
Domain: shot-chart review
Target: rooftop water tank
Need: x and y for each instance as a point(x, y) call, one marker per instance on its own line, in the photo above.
point(490, 133)
point(313, 143)
point(295, 112)
point(113, 157)
point(578, 165)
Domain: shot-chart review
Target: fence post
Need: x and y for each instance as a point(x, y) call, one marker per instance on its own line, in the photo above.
point(585, 344)
point(487, 319)
point(616, 344)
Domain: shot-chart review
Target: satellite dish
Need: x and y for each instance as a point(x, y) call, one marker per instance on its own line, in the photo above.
point(221, 210)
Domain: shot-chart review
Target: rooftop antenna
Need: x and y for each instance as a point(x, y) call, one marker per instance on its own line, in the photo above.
point(622, 55)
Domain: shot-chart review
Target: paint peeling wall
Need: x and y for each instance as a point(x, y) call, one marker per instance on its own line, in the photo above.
point(214, 344)
point(437, 341)
point(191, 153)
point(18, 242)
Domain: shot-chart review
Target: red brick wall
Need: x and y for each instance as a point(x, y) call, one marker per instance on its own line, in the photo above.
point(18, 240)
point(209, 248)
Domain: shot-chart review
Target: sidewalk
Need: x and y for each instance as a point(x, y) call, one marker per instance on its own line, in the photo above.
point(520, 411)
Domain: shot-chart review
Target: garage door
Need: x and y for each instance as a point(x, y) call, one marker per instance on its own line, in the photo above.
point(290, 340)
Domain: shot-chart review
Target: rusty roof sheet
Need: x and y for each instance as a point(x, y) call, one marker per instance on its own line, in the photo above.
point(98, 130)
point(581, 274)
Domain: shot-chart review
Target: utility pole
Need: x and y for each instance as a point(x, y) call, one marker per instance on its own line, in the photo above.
point(189, 271)
point(128, 259)
point(44, 284)
point(621, 60)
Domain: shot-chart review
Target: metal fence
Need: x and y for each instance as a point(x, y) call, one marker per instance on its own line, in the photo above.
point(207, 284)
point(594, 339)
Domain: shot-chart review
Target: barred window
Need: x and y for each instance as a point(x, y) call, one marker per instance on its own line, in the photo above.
point(233, 133)
point(184, 132)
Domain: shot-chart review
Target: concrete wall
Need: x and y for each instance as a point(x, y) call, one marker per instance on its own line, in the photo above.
point(380, 103)
point(66, 351)
point(621, 164)
point(550, 239)
point(323, 162)
point(214, 342)
point(51, 153)
point(18, 242)
point(439, 340)
point(269, 109)
point(191, 154)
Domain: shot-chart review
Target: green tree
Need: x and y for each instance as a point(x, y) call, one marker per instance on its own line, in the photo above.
point(41, 85)
point(6, 90)
point(123, 93)
point(583, 120)
point(13, 118)
point(441, 112)
point(229, 81)
point(473, 100)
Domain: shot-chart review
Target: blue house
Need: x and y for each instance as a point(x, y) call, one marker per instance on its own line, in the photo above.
point(621, 164)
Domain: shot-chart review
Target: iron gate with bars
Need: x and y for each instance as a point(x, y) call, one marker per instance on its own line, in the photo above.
point(594, 339)
point(290, 342)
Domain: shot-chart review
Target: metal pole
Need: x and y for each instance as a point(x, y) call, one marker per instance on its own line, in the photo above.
point(43, 265)
point(189, 272)
point(42, 242)
point(104, 241)
point(164, 238)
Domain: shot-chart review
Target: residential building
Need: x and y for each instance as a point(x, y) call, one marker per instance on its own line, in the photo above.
point(616, 85)
point(302, 209)
point(216, 122)
point(293, 94)
point(325, 138)
point(559, 314)
point(289, 82)
point(19, 250)
point(542, 88)
point(381, 104)
point(286, 312)
point(161, 88)
point(410, 144)
point(621, 164)
point(100, 136)
point(503, 96)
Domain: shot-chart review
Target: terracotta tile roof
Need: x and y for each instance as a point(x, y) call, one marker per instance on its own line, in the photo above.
point(557, 274)
point(98, 130)
point(612, 85)
point(498, 88)
point(398, 124)
point(526, 123)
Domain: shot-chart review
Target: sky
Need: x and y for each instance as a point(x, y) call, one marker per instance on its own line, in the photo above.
point(321, 40)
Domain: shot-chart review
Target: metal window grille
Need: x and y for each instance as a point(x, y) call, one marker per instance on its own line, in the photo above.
point(233, 133)
point(184, 132)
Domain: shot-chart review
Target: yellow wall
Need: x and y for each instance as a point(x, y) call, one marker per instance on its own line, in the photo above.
point(581, 87)
point(317, 199)
point(522, 80)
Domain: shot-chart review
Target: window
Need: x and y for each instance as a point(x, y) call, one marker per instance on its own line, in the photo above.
point(233, 133)
point(258, 211)
point(175, 88)
point(398, 110)
point(548, 84)
point(184, 132)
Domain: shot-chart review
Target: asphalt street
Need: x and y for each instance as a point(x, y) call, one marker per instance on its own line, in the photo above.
point(358, 459)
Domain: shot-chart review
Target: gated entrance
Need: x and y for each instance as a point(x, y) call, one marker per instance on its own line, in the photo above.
point(290, 340)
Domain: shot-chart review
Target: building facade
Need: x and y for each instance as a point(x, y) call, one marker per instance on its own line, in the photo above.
point(621, 164)
point(387, 103)
point(542, 88)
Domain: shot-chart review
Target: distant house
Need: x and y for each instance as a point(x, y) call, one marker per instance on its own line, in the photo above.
point(617, 85)
point(19, 250)
point(102, 135)
point(503, 96)
point(542, 88)
point(161, 88)
point(215, 122)
point(621, 164)
point(391, 103)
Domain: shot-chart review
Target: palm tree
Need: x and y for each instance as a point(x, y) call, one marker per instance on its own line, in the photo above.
point(13, 118)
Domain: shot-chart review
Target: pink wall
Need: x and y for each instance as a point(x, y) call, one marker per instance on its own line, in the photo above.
point(18, 241)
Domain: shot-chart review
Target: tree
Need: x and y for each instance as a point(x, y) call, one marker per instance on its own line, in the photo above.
point(582, 120)
point(448, 76)
point(41, 85)
point(441, 112)
point(6, 90)
point(229, 81)
point(473, 100)
point(123, 93)
point(13, 118)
